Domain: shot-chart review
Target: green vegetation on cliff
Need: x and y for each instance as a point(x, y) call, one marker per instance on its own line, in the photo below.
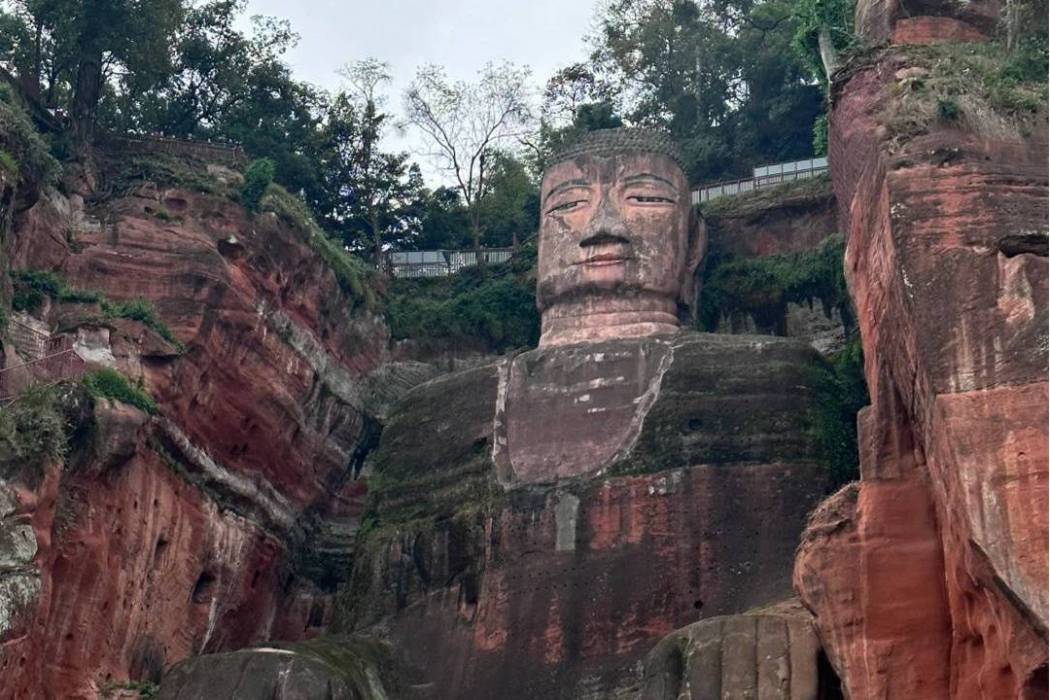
point(24, 153)
point(834, 420)
point(981, 87)
point(354, 277)
point(762, 286)
point(110, 384)
point(32, 286)
point(33, 430)
point(494, 311)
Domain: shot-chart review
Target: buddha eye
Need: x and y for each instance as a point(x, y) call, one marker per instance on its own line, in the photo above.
point(565, 206)
point(648, 199)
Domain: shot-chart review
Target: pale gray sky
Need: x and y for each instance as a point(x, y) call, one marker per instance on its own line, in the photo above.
point(458, 34)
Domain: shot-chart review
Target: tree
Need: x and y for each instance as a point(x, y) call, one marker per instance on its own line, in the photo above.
point(380, 175)
point(83, 48)
point(717, 74)
point(511, 202)
point(465, 122)
point(443, 222)
point(370, 197)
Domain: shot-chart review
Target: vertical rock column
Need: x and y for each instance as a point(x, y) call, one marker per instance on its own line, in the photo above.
point(928, 579)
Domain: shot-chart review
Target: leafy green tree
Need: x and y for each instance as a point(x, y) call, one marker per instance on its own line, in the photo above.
point(717, 74)
point(77, 51)
point(823, 29)
point(510, 206)
point(444, 222)
point(370, 197)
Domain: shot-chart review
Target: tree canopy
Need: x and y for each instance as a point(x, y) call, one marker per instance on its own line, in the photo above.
point(719, 75)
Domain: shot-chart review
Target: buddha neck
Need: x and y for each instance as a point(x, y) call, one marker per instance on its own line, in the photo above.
point(596, 318)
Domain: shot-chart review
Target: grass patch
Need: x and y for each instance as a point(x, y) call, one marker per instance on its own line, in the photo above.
point(33, 431)
point(764, 285)
point(110, 384)
point(140, 310)
point(979, 86)
point(497, 309)
point(354, 277)
point(33, 286)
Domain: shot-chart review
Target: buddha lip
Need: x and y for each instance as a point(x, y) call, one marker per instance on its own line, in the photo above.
point(604, 259)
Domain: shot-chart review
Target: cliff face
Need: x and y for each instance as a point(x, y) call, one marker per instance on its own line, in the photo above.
point(172, 534)
point(928, 579)
point(490, 582)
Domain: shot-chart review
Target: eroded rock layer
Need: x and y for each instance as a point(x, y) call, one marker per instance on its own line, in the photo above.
point(179, 533)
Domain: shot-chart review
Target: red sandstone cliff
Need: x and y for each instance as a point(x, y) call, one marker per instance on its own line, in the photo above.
point(167, 536)
point(928, 578)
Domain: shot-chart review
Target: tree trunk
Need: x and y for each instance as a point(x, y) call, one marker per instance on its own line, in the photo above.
point(86, 95)
point(829, 55)
point(1013, 24)
point(475, 217)
point(377, 238)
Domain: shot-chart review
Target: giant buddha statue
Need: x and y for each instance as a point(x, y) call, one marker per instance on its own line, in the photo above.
point(540, 523)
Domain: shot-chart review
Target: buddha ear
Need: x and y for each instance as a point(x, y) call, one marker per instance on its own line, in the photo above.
point(689, 285)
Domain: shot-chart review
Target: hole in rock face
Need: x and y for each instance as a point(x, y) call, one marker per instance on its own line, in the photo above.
point(158, 551)
point(204, 589)
point(698, 604)
point(693, 424)
point(1033, 244)
point(316, 618)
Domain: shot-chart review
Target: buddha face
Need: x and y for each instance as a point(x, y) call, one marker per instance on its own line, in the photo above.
point(614, 226)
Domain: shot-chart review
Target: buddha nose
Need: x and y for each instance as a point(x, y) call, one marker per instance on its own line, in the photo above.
point(605, 226)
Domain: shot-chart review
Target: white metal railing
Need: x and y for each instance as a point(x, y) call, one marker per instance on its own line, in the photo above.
point(762, 176)
point(441, 263)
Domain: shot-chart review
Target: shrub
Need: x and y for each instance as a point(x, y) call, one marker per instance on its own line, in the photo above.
point(496, 310)
point(835, 420)
point(32, 286)
point(758, 285)
point(33, 430)
point(257, 178)
point(109, 384)
point(28, 155)
point(948, 110)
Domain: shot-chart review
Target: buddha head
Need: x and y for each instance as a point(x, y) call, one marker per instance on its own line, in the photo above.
point(619, 239)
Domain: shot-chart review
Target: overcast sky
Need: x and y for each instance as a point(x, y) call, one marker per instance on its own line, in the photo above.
point(458, 34)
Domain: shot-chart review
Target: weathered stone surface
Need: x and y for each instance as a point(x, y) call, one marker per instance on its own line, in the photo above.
point(926, 21)
point(619, 241)
point(953, 316)
point(169, 537)
point(556, 587)
point(336, 669)
point(137, 569)
point(767, 655)
point(790, 218)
